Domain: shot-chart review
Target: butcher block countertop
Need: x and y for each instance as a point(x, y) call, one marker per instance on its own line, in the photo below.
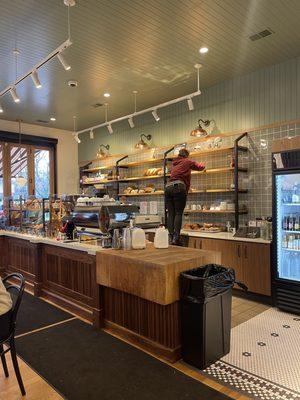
point(151, 274)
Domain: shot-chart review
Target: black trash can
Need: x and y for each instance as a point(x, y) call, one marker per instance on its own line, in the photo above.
point(206, 297)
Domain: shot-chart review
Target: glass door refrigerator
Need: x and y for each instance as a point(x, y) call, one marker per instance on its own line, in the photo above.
point(286, 230)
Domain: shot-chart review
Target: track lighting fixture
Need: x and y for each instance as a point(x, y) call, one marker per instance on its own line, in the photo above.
point(1, 109)
point(155, 115)
point(14, 95)
point(141, 144)
point(11, 88)
point(36, 80)
point(110, 129)
point(190, 104)
point(76, 138)
point(63, 62)
point(131, 123)
point(91, 134)
point(53, 119)
point(153, 109)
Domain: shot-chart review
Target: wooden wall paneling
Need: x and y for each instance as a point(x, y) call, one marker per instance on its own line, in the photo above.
point(152, 325)
point(21, 257)
point(69, 276)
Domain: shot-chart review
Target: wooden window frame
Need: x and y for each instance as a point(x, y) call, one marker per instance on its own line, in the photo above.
point(8, 139)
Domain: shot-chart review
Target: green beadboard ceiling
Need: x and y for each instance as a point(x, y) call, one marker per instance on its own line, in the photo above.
point(125, 45)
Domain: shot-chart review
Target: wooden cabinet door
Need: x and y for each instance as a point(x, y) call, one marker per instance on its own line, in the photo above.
point(231, 254)
point(256, 267)
point(195, 242)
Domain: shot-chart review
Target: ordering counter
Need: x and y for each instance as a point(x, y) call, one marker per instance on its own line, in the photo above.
point(134, 294)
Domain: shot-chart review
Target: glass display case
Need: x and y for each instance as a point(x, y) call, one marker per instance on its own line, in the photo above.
point(41, 217)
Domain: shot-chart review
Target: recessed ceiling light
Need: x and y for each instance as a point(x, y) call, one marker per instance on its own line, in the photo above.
point(52, 119)
point(106, 95)
point(203, 50)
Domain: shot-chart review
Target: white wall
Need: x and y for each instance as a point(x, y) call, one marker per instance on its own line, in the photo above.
point(67, 152)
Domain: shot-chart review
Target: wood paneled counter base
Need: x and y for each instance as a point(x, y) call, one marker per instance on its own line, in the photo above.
point(140, 294)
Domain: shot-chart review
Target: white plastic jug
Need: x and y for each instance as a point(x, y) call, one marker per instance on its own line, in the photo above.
point(161, 238)
point(138, 239)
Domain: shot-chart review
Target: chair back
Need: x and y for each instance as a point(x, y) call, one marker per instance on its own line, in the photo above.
point(16, 291)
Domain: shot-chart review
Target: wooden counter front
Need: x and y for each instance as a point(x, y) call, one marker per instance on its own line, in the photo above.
point(140, 294)
point(151, 274)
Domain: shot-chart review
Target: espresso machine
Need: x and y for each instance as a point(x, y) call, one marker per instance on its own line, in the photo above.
point(99, 221)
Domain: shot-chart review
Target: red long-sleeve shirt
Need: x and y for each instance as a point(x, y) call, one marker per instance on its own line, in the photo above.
point(181, 170)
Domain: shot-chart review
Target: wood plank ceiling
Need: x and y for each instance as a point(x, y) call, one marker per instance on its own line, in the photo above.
point(125, 45)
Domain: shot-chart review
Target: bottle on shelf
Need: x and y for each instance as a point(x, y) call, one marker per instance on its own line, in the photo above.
point(297, 223)
point(291, 223)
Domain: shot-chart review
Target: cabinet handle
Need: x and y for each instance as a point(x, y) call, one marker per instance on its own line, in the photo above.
point(239, 250)
point(245, 252)
point(200, 244)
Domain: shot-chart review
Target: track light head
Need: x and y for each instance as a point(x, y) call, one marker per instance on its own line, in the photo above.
point(14, 95)
point(76, 138)
point(36, 80)
point(155, 115)
point(131, 123)
point(1, 109)
point(63, 62)
point(110, 129)
point(190, 104)
point(91, 134)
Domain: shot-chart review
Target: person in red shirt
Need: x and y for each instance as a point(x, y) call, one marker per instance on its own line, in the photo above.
point(176, 191)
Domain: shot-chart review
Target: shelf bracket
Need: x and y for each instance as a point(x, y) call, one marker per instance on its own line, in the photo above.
point(236, 178)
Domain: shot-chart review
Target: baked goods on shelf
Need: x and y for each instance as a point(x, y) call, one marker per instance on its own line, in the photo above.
point(205, 227)
point(131, 190)
point(153, 171)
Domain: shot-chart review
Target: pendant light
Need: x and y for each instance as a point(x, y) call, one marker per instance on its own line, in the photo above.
point(101, 153)
point(20, 179)
point(141, 144)
point(203, 129)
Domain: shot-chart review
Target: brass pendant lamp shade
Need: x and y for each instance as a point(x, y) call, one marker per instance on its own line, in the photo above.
point(202, 129)
point(103, 151)
point(141, 144)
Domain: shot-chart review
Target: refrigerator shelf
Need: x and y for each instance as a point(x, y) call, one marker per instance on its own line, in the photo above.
point(288, 231)
point(291, 204)
point(286, 249)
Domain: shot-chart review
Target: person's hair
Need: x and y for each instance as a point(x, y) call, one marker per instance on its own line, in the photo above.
point(184, 153)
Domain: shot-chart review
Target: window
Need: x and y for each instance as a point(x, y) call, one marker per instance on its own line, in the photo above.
point(19, 171)
point(42, 177)
point(26, 169)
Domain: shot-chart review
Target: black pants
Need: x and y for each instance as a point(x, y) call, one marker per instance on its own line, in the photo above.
point(175, 203)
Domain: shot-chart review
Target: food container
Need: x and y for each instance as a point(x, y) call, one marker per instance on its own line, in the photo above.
point(138, 239)
point(161, 238)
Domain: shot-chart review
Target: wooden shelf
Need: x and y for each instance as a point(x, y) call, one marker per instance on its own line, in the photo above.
point(160, 193)
point(219, 170)
point(143, 194)
point(96, 169)
point(139, 178)
point(192, 154)
point(100, 182)
point(214, 212)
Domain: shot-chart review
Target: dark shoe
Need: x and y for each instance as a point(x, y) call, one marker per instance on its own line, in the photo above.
point(176, 240)
point(170, 238)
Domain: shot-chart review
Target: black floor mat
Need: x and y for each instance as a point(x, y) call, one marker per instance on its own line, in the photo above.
point(35, 313)
point(82, 363)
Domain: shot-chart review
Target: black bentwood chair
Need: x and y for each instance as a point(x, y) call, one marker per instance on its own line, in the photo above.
point(8, 327)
